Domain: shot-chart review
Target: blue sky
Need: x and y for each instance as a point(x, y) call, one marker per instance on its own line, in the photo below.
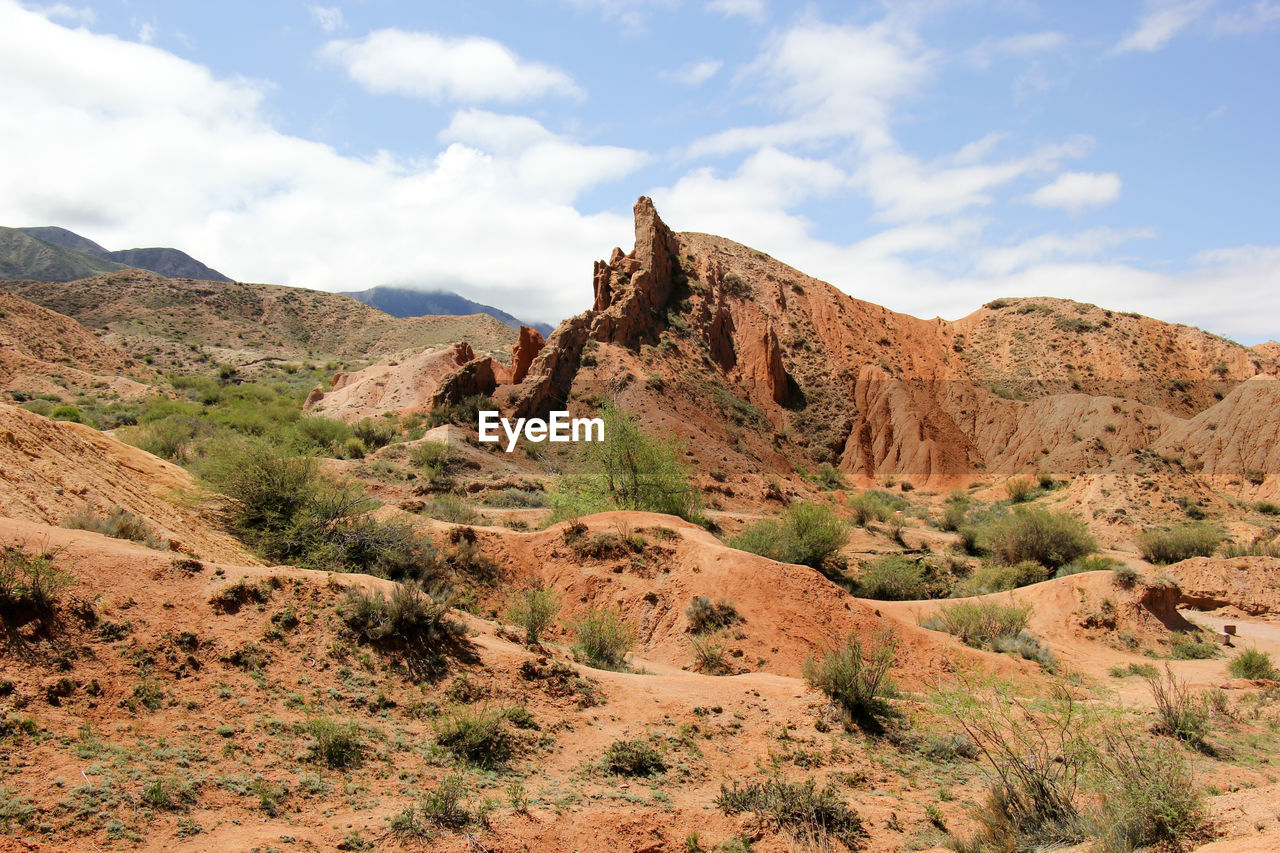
point(928, 156)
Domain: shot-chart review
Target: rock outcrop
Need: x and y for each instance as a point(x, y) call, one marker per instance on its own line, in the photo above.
point(475, 378)
point(397, 385)
point(527, 348)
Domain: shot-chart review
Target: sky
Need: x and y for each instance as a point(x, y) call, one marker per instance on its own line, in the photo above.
point(926, 155)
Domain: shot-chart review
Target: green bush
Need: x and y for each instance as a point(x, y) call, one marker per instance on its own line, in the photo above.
point(118, 524)
point(1020, 490)
point(705, 616)
point(630, 469)
point(893, 578)
point(999, 577)
point(1252, 663)
point(30, 581)
point(808, 814)
point(1148, 796)
point(1179, 543)
point(534, 610)
point(806, 535)
point(1092, 563)
point(1032, 533)
point(979, 623)
point(1191, 646)
point(339, 746)
point(412, 620)
point(855, 678)
point(477, 737)
point(632, 758)
point(603, 638)
point(873, 505)
point(1179, 713)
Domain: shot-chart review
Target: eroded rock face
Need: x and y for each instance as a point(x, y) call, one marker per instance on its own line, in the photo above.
point(389, 386)
point(476, 377)
point(527, 348)
point(546, 385)
point(631, 289)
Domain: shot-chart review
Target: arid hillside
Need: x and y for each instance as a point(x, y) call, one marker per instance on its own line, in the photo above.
point(182, 323)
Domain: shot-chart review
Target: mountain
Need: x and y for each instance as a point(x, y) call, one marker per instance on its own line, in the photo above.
point(61, 255)
point(176, 323)
point(404, 302)
point(25, 256)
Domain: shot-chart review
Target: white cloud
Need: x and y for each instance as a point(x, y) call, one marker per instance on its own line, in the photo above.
point(327, 18)
point(1075, 191)
point(833, 81)
point(438, 68)
point(1086, 244)
point(146, 32)
point(753, 10)
point(695, 73)
point(1161, 21)
point(82, 15)
point(194, 163)
point(1251, 19)
point(1023, 44)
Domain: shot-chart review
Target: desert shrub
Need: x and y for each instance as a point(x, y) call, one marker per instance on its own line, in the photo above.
point(1148, 795)
point(1143, 669)
point(806, 534)
point(1020, 490)
point(412, 617)
point(320, 434)
point(704, 616)
point(374, 433)
point(999, 577)
point(168, 794)
point(893, 578)
point(632, 758)
point(979, 623)
point(1026, 646)
point(452, 509)
point(30, 581)
point(856, 678)
point(800, 808)
point(352, 448)
point(1035, 534)
point(708, 654)
point(828, 477)
point(476, 737)
point(1179, 543)
point(463, 413)
point(953, 516)
point(1256, 548)
point(1124, 576)
point(169, 438)
point(337, 745)
point(443, 806)
point(871, 506)
point(434, 459)
point(1267, 508)
point(1179, 714)
point(629, 469)
point(603, 638)
point(517, 498)
point(1252, 663)
point(534, 610)
point(1091, 563)
point(118, 524)
point(1191, 646)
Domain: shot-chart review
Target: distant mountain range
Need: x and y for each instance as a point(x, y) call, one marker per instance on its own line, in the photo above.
point(403, 302)
point(54, 254)
point(51, 253)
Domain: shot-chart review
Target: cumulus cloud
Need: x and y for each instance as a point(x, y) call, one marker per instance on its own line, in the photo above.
point(439, 68)
point(82, 15)
point(1161, 21)
point(753, 10)
point(1074, 191)
point(196, 164)
point(327, 18)
point(695, 73)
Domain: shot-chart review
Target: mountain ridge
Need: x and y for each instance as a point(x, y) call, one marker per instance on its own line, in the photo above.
point(408, 302)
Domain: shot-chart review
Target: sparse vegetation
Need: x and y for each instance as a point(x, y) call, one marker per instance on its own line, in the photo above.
point(855, 677)
point(1032, 534)
point(1252, 663)
point(118, 524)
point(1175, 544)
point(337, 745)
point(893, 578)
point(806, 534)
point(534, 610)
point(705, 616)
point(629, 469)
point(800, 808)
point(603, 638)
point(632, 758)
point(477, 737)
point(30, 580)
point(979, 623)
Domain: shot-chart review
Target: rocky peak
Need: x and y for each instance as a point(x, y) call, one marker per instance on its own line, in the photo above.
point(630, 289)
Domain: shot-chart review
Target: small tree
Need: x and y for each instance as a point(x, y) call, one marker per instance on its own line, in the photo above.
point(629, 469)
point(534, 609)
point(855, 678)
